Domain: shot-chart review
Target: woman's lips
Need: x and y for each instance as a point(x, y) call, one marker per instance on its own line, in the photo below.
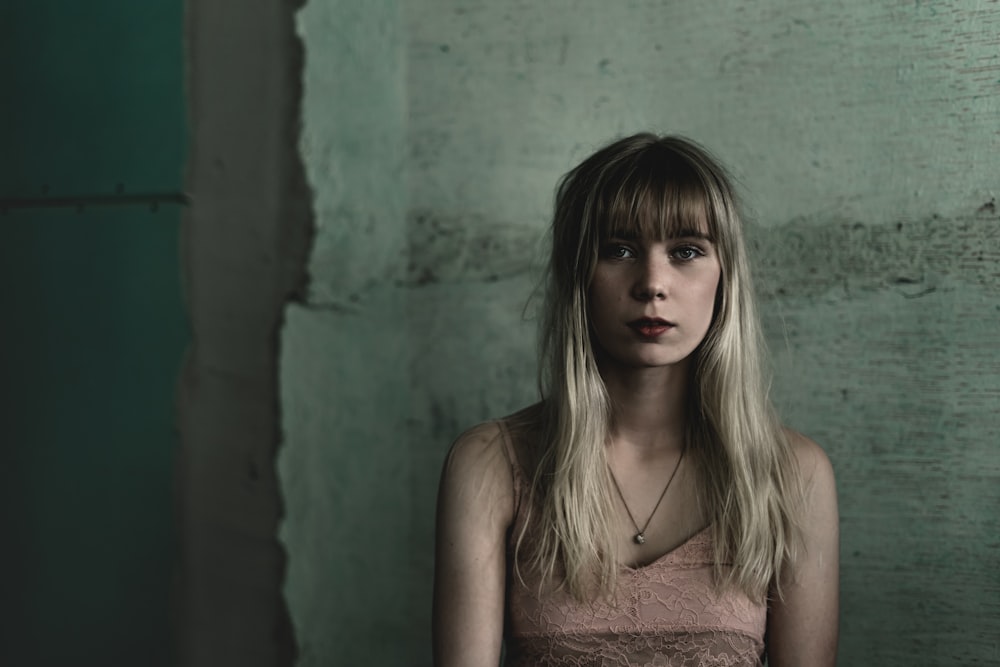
point(650, 327)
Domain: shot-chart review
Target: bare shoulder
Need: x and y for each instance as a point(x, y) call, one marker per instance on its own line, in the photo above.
point(820, 518)
point(803, 619)
point(814, 465)
point(477, 470)
point(479, 450)
point(475, 508)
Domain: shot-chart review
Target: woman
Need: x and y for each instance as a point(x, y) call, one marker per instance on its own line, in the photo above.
point(650, 510)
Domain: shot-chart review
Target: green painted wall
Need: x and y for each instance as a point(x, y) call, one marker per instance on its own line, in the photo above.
point(864, 136)
point(93, 330)
point(344, 372)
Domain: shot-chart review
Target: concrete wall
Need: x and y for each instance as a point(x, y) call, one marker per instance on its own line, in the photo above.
point(865, 137)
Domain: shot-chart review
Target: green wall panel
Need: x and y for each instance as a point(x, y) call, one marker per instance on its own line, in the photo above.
point(93, 329)
point(91, 345)
point(97, 85)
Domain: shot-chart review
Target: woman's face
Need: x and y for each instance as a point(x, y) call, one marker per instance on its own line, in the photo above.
point(651, 302)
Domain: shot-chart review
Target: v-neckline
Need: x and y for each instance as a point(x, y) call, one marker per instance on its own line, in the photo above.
point(668, 554)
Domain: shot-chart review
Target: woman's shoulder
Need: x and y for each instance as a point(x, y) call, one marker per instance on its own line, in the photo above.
point(813, 463)
point(492, 449)
point(819, 486)
point(477, 450)
point(486, 452)
point(476, 487)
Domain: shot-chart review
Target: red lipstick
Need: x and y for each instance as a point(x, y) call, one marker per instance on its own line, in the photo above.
point(650, 327)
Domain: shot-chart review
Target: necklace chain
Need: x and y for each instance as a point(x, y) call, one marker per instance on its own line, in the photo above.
point(640, 535)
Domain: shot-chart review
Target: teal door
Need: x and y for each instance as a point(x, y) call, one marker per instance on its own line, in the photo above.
point(92, 144)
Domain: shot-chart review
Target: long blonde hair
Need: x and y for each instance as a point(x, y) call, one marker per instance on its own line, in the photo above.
point(655, 186)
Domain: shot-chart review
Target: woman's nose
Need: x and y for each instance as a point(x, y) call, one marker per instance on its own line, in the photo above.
point(651, 281)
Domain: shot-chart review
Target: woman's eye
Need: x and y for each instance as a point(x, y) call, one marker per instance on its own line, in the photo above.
point(686, 253)
point(617, 251)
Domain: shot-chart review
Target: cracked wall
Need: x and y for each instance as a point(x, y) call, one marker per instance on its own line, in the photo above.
point(864, 136)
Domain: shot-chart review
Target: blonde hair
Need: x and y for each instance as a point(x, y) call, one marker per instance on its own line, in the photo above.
point(655, 187)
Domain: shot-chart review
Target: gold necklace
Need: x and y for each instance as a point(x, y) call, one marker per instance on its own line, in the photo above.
point(640, 535)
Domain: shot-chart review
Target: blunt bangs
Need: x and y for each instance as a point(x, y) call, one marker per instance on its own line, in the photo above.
point(657, 195)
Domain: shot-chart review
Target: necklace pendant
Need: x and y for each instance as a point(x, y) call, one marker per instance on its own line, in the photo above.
point(639, 538)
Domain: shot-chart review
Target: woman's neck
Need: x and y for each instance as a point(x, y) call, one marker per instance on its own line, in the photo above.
point(649, 406)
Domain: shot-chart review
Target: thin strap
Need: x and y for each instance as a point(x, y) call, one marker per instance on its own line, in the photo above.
point(515, 468)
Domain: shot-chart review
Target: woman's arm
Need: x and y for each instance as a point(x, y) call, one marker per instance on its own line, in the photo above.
point(475, 508)
point(802, 627)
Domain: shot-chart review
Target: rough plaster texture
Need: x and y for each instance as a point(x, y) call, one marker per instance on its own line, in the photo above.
point(353, 144)
point(346, 467)
point(866, 137)
point(908, 411)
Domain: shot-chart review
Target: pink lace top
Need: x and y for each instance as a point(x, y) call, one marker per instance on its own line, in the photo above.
point(667, 613)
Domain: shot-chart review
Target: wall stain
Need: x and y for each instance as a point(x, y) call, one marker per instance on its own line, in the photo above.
point(468, 249)
point(912, 257)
